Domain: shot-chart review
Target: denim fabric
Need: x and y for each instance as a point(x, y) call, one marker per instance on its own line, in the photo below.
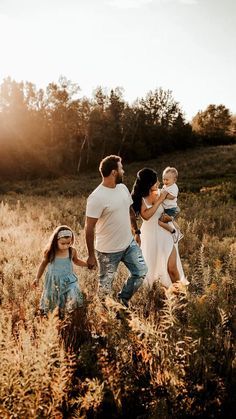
point(61, 288)
point(172, 212)
point(108, 263)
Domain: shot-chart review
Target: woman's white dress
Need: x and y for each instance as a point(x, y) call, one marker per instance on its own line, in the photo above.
point(157, 244)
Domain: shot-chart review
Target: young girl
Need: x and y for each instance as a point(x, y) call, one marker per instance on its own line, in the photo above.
point(61, 287)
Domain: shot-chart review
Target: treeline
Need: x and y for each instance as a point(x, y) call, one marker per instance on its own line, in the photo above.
point(54, 131)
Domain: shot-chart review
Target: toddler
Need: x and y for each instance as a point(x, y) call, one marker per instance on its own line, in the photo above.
point(171, 209)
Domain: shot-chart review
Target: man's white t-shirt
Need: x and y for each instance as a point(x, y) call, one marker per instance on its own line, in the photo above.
point(173, 190)
point(111, 207)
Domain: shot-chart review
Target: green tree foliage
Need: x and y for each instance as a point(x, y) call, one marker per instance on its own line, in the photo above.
point(133, 144)
point(161, 114)
point(115, 112)
point(54, 131)
point(181, 133)
point(105, 125)
point(213, 124)
point(62, 107)
point(160, 108)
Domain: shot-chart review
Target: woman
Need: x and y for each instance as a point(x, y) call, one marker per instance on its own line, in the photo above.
point(159, 250)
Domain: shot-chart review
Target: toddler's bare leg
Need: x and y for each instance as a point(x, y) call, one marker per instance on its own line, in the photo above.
point(175, 224)
point(166, 226)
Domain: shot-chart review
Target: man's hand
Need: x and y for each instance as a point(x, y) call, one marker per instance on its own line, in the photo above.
point(138, 239)
point(92, 262)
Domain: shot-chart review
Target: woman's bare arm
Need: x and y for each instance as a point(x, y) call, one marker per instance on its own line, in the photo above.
point(147, 213)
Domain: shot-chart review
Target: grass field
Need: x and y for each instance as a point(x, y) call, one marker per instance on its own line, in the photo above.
point(168, 357)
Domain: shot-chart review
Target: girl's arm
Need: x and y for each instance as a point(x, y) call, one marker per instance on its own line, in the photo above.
point(147, 213)
point(76, 260)
point(40, 270)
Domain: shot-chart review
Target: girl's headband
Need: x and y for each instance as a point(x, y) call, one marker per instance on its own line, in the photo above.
point(64, 233)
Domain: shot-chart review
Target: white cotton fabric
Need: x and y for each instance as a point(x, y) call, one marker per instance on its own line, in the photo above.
point(111, 206)
point(157, 244)
point(173, 190)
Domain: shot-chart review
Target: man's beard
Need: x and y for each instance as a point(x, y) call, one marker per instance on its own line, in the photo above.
point(119, 179)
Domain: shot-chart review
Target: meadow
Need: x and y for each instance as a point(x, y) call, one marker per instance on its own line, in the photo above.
point(169, 356)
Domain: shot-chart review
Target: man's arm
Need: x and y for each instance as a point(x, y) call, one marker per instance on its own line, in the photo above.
point(89, 235)
point(134, 225)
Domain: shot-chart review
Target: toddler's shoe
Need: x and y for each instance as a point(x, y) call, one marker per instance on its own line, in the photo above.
point(181, 235)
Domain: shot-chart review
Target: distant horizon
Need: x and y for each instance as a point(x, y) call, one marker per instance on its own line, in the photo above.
point(185, 46)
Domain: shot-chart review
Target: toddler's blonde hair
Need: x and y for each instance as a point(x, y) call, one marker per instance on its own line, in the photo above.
point(172, 170)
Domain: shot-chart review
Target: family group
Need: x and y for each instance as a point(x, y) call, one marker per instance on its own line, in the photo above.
point(112, 236)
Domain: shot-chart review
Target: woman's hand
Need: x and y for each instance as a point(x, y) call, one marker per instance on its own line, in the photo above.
point(163, 195)
point(165, 218)
point(146, 212)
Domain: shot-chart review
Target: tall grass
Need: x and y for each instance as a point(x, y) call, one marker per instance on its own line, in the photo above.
point(168, 356)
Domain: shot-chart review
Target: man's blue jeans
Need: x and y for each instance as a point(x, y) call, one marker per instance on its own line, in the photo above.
point(108, 263)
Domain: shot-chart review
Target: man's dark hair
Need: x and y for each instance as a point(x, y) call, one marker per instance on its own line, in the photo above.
point(108, 164)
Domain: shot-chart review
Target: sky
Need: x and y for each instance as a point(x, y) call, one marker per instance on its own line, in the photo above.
point(186, 46)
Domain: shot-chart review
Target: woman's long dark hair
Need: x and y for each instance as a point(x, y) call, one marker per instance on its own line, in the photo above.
point(145, 179)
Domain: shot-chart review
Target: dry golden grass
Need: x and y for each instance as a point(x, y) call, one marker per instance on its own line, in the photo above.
point(169, 356)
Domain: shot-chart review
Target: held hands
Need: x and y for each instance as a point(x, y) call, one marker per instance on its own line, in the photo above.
point(92, 262)
point(138, 239)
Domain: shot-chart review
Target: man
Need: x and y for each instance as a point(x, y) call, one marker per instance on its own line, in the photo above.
point(109, 212)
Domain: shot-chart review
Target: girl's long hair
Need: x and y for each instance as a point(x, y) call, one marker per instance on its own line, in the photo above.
point(145, 179)
point(51, 247)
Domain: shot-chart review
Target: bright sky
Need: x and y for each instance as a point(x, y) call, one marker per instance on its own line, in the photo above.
point(187, 46)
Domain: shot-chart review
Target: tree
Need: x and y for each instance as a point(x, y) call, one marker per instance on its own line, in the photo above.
point(160, 108)
point(161, 111)
point(101, 99)
point(213, 123)
point(181, 133)
point(114, 115)
point(63, 109)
